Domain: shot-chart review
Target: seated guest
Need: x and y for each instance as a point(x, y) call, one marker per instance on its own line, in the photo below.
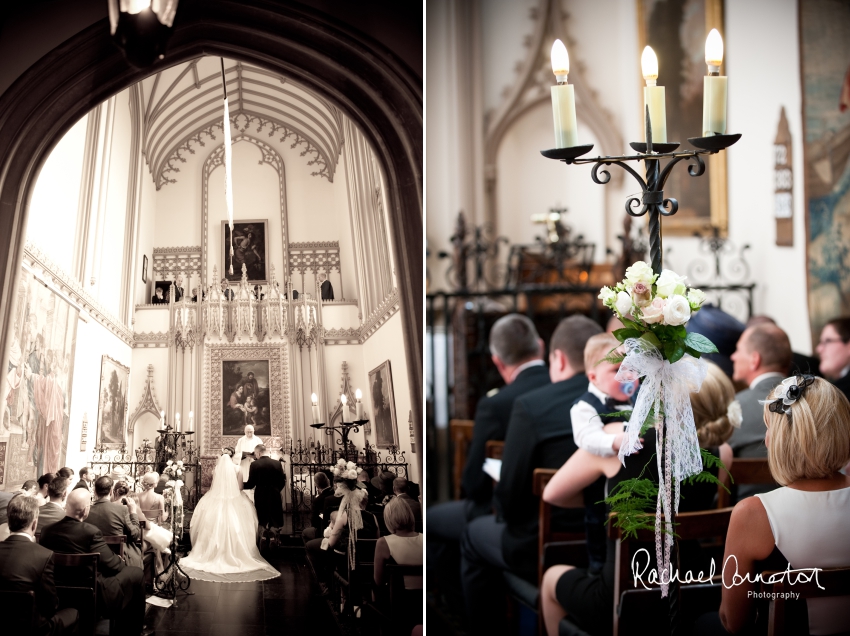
point(347, 522)
point(228, 293)
point(120, 587)
point(178, 288)
point(30, 487)
point(158, 297)
point(67, 473)
point(587, 599)
point(806, 519)
point(722, 329)
point(384, 483)
point(400, 489)
point(54, 509)
point(761, 359)
point(117, 519)
point(86, 478)
point(317, 506)
point(43, 484)
point(5, 498)
point(539, 435)
point(152, 506)
point(403, 544)
point(25, 566)
point(121, 490)
point(800, 362)
point(149, 499)
point(834, 352)
point(375, 494)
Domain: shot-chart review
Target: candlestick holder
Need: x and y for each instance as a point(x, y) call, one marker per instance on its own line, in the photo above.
point(342, 430)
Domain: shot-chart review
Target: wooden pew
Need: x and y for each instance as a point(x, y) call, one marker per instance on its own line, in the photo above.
point(745, 471)
point(460, 432)
point(494, 449)
point(832, 581)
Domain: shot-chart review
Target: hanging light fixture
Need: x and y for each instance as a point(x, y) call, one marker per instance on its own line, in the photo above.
point(228, 172)
point(141, 28)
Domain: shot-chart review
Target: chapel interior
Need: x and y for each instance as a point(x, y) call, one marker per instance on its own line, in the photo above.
point(762, 231)
point(166, 320)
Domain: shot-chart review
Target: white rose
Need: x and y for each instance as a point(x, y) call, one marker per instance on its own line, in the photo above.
point(169, 462)
point(623, 303)
point(179, 472)
point(607, 296)
point(179, 462)
point(654, 312)
point(640, 272)
point(734, 413)
point(696, 297)
point(677, 311)
point(670, 284)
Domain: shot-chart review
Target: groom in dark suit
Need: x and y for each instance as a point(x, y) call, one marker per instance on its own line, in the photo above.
point(267, 479)
point(26, 566)
point(120, 588)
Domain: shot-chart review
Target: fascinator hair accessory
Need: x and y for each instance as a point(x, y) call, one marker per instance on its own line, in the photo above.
point(787, 392)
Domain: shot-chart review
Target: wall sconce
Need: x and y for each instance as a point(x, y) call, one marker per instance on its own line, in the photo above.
point(141, 28)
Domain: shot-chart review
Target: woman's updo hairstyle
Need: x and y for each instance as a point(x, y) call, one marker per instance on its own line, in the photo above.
point(149, 480)
point(120, 489)
point(711, 408)
point(814, 442)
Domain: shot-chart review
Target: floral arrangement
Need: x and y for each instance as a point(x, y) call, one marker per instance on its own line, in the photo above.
point(173, 494)
point(345, 470)
point(656, 307)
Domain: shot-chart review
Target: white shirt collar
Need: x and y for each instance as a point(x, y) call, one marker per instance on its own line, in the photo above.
point(23, 534)
point(844, 371)
point(592, 388)
point(765, 376)
point(523, 367)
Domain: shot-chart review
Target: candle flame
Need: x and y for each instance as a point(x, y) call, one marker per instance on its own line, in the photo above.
point(649, 64)
point(560, 59)
point(358, 394)
point(314, 398)
point(343, 399)
point(714, 48)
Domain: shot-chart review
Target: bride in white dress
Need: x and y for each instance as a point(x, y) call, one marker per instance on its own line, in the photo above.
point(224, 530)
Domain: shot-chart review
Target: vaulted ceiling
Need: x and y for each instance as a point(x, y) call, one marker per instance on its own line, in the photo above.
point(183, 110)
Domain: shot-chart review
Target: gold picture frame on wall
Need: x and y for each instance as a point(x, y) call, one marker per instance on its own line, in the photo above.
point(676, 31)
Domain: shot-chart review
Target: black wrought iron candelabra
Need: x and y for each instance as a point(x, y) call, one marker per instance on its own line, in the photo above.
point(652, 202)
point(344, 429)
point(173, 579)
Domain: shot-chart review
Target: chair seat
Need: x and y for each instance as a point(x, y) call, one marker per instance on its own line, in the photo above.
point(525, 592)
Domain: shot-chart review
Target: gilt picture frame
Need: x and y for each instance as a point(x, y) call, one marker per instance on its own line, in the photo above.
point(112, 404)
point(383, 406)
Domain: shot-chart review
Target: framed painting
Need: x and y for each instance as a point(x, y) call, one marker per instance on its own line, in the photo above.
point(112, 404)
point(825, 81)
point(383, 406)
point(144, 268)
point(250, 242)
point(245, 397)
point(676, 31)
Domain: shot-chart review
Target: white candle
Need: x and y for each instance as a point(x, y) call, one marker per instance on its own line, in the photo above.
point(344, 401)
point(563, 99)
point(653, 97)
point(191, 421)
point(162, 419)
point(177, 419)
point(359, 405)
point(315, 399)
point(714, 88)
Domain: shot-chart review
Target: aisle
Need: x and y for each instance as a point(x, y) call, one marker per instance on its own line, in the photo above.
point(278, 606)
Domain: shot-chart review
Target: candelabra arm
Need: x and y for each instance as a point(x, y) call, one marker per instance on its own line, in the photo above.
point(694, 170)
point(606, 176)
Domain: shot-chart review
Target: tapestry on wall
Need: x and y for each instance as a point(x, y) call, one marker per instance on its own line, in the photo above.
point(825, 73)
point(112, 408)
point(676, 31)
point(383, 406)
point(37, 383)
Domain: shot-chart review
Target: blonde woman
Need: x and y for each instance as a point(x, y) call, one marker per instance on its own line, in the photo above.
point(157, 538)
point(403, 544)
point(807, 441)
point(586, 598)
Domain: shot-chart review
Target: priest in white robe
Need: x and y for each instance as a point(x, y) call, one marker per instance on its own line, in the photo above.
point(246, 444)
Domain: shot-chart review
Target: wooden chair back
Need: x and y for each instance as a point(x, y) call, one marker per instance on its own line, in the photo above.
point(18, 611)
point(460, 432)
point(494, 449)
point(830, 582)
point(116, 544)
point(700, 525)
point(545, 534)
point(405, 606)
point(76, 586)
point(153, 514)
point(745, 471)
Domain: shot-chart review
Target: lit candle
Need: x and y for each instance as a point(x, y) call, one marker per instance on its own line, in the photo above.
point(191, 421)
point(162, 419)
point(344, 401)
point(563, 99)
point(359, 406)
point(653, 97)
point(714, 88)
point(315, 399)
point(177, 419)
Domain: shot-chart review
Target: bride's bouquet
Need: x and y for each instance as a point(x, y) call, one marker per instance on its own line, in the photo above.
point(654, 309)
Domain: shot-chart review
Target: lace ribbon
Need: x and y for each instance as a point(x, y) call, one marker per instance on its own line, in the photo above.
point(351, 504)
point(665, 391)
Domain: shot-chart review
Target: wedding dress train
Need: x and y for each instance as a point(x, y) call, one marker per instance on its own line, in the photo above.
point(223, 531)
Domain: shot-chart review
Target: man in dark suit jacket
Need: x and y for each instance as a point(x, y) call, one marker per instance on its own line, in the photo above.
point(539, 436)
point(317, 506)
point(54, 509)
point(120, 588)
point(117, 519)
point(86, 476)
point(26, 566)
point(267, 479)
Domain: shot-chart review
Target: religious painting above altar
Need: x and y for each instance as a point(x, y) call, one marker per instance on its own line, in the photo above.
point(250, 245)
point(245, 396)
point(383, 406)
point(112, 406)
point(677, 32)
point(36, 384)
